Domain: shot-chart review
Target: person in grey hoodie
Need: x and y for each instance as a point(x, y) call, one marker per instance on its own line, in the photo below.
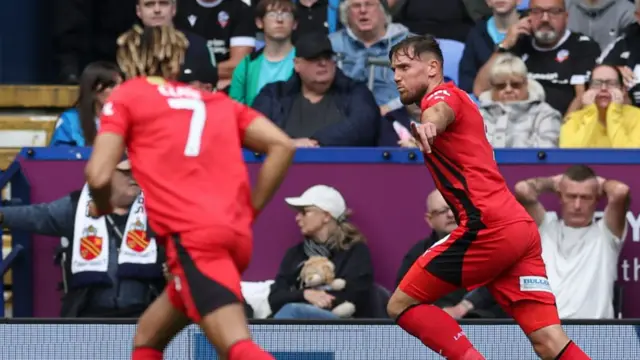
point(514, 111)
point(601, 20)
point(369, 33)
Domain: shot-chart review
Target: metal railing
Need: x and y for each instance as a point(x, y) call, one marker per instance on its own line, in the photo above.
point(19, 259)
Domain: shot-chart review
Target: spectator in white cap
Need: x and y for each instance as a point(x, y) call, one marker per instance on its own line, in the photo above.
point(322, 218)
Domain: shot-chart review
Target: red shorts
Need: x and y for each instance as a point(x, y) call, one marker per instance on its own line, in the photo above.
point(206, 265)
point(507, 259)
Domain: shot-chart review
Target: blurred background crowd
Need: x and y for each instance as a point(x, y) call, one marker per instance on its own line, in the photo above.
point(544, 74)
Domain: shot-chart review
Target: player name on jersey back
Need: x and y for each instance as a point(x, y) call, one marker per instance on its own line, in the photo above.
point(179, 91)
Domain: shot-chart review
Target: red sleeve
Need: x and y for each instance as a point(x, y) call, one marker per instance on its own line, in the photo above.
point(244, 116)
point(447, 95)
point(115, 117)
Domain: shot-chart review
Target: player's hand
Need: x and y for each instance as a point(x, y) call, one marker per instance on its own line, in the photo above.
point(305, 143)
point(522, 27)
point(424, 134)
point(93, 211)
point(318, 298)
point(589, 97)
point(617, 97)
point(165, 271)
point(628, 76)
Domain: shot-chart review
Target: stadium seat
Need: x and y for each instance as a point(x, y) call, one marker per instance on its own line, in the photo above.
point(37, 96)
point(18, 131)
point(452, 52)
point(379, 300)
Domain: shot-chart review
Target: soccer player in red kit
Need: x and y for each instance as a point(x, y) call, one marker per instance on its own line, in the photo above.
point(185, 149)
point(496, 244)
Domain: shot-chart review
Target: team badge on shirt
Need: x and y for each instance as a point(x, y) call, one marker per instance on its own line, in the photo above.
point(223, 18)
point(192, 19)
point(562, 55)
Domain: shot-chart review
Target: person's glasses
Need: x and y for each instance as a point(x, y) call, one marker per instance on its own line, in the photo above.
point(501, 85)
point(279, 15)
point(539, 12)
point(441, 211)
point(597, 83)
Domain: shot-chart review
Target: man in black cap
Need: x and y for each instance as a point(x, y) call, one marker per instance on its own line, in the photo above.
point(199, 73)
point(319, 105)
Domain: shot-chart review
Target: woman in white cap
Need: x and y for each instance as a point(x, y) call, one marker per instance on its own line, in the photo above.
point(322, 218)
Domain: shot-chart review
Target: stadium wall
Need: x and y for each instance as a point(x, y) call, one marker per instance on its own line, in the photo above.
point(386, 188)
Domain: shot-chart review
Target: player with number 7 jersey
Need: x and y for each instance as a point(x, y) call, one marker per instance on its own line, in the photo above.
point(185, 149)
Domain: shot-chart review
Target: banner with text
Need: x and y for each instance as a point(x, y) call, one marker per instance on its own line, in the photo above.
point(388, 203)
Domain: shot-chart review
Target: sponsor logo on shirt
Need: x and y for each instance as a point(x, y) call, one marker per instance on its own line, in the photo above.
point(534, 283)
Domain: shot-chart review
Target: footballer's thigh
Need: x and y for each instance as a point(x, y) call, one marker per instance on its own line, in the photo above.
point(523, 291)
point(209, 284)
point(427, 279)
point(161, 321)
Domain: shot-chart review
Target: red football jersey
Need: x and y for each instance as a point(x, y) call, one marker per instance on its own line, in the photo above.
point(185, 149)
point(463, 166)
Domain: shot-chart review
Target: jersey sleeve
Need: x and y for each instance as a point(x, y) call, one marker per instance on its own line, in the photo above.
point(588, 54)
point(244, 116)
point(115, 115)
point(447, 95)
point(244, 31)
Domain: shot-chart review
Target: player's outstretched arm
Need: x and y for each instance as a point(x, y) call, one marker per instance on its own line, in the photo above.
point(264, 137)
point(528, 191)
point(440, 114)
point(107, 152)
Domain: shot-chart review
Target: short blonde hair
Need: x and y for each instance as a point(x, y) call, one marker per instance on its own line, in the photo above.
point(507, 64)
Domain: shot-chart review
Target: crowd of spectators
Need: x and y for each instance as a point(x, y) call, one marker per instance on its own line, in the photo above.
point(545, 74)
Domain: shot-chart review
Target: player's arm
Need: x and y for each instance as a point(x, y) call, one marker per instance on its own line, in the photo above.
point(528, 191)
point(618, 199)
point(108, 149)
point(262, 136)
point(440, 114)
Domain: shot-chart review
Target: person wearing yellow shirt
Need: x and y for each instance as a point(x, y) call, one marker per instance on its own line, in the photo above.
point(604, 120)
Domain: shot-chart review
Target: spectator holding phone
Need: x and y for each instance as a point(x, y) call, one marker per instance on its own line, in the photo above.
point(559, 59)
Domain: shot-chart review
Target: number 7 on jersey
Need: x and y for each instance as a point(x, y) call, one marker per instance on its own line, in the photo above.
point(196, 124)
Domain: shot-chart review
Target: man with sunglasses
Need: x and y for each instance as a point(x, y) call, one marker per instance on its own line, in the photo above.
point(559, 59)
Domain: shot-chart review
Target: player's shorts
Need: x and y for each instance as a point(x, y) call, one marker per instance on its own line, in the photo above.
point(206, 278)
point(507, 259)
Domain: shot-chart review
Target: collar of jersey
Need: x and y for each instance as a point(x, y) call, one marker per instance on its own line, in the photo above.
point(562, 41)
point(209, 5)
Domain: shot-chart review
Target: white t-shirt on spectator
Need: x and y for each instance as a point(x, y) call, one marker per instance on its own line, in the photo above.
point(582, 266)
